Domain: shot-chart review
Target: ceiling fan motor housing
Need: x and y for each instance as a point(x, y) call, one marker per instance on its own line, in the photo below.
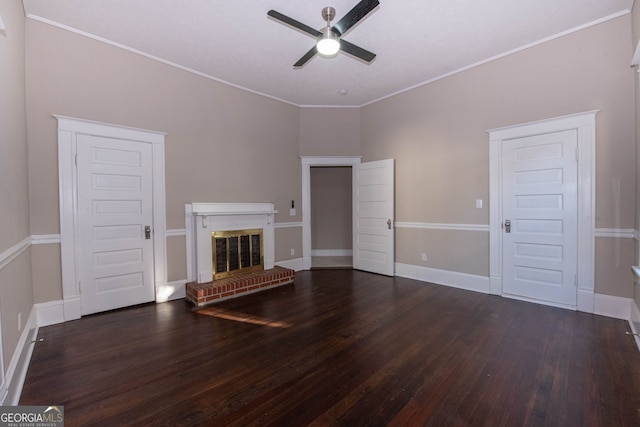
point(329, 39)
point(328, 13)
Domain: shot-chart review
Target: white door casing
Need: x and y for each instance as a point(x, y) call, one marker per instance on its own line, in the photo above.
point(540, 218)
point(69, 131)
point(373, 217)
point(584, 125)
point(307, 163)
point(114, 210)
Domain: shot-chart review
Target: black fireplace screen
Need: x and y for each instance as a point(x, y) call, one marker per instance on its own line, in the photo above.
point(237, 251)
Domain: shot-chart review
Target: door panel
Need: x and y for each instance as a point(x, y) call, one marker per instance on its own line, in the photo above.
point(373, 217)
point(114, 206)
point(540, 202)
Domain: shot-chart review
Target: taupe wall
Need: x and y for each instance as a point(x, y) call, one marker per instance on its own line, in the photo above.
point(223, 144)
point(331, 206)
point(329, 132)
point(437, 134)
point(16, 292)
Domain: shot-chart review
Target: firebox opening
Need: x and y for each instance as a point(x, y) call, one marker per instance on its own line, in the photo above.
point(237, 252)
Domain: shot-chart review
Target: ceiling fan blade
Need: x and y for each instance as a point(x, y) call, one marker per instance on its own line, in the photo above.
point(358, 12)
point(292, 22)
point(356, 51)
point(306, 57)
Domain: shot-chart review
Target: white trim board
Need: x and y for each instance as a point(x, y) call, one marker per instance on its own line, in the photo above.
point(45, 239)
point(612, 306)
point(454, 279)
point(287, 224)
point(171, 291)
point(604, 305)
point(618, 233)
point(584, 124)
point(634, 323)
point(50, 312)
point(17, 369)
point(14, 252)
point(68, 129)
point(442, 226)
point(295, 264)
point(176, 232)
point(331, 252)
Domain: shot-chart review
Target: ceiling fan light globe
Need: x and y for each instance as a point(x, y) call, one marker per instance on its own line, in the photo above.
point(328, 47)
point(328, 43)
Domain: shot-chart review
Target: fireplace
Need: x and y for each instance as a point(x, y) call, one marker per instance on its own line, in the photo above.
point(236, 252)
point(231, 251)
point(202, 220)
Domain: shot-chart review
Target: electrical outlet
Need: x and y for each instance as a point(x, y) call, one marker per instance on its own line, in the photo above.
point(19, 321)
point(293, 252)
point(478, 203)
point(424, 256)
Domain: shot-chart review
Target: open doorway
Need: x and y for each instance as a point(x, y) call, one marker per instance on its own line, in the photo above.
point(331, 217)
point(309, 162)
point(372, 212)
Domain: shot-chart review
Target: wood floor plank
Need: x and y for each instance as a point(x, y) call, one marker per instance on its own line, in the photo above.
point(340, 347)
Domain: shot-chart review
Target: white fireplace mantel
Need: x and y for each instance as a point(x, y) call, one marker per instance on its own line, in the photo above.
point(210, 209)
point(201, 219)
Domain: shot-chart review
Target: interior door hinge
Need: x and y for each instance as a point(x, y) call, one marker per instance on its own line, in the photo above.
point(76, 160)
point(577, 154)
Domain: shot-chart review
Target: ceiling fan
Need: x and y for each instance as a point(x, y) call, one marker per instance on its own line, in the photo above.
point(329, 41)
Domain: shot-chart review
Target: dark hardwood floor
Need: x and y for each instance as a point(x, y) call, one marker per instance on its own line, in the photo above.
point(340, 347)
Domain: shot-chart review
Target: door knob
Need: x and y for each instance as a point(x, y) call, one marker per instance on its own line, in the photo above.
point(147, 232)
point(507, 226)
point(389, 223)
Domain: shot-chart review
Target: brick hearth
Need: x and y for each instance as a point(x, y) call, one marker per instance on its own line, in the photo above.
point(206, 293)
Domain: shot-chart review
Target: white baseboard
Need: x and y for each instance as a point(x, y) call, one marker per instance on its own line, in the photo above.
point(296, 264)
point(49, 313)
point(332, 252)
point(635, 312)
point(470, 282)
point(634, 322)
point(72, 308)
point(586, 301)
point(612, 306)
point(604, 305)
point(170, 291)
point(17, 370)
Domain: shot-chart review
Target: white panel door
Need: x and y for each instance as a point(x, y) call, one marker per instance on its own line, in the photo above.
point(115, 204)
point(540, 218)
point(373, 217)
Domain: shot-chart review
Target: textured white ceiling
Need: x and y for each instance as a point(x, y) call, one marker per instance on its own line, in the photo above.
point(416, 41)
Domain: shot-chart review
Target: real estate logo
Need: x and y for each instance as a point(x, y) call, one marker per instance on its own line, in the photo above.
point(31, 416)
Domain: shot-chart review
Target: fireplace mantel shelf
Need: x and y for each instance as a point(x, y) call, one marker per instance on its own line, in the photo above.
point(211, 209)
